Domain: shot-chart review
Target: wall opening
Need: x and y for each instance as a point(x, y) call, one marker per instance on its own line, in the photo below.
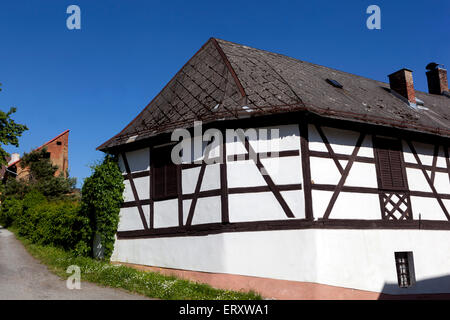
point(404, 262)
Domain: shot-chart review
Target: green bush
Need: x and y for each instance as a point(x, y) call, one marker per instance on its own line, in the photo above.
point(60, 224)
point(57, 223)
point(10, 210)
point(14, 189)
point(25, 222)
point(101, 199)
point(54, 218)
point(44, 207)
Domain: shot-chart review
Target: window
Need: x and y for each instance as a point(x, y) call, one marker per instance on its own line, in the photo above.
point(58, 143)
point(404, 263)
point(390, 164)
point(164, 174)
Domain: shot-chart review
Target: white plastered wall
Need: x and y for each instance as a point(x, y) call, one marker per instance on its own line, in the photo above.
point(358, 259)
point(283, 170)
point(427, 207)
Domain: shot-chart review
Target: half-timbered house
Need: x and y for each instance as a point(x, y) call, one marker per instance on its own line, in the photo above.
point(352, 199)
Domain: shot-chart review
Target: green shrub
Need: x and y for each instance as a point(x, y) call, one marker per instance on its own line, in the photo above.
point(11, 209)
point(58, 223)
point(53, 218)
point(26, 222)
point(32, 199)
point(14, 189)
point(101, 199)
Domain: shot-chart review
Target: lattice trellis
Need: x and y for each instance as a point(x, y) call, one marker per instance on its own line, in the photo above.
point(396, 206)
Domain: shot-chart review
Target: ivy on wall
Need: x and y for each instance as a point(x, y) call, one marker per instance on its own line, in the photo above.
point(102, 197)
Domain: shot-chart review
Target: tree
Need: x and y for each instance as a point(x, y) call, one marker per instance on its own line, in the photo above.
point(10, 131)
point(42, 177)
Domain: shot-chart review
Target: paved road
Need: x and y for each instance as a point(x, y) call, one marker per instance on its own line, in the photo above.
point(23, 277)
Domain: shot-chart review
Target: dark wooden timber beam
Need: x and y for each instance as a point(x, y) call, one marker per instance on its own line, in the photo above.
point(306, 167)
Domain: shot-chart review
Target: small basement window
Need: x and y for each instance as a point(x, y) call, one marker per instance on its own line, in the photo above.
point(164, 177)
point(404, 262)
point(334, 83)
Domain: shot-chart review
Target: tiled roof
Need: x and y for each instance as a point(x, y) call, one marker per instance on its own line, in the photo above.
point(222, 77)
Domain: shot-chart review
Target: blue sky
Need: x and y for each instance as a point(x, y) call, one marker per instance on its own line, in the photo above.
point(94, 81)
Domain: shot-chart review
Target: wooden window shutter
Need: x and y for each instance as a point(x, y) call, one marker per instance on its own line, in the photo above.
point(390, 164)
point(164, 176)
point(158, 182)
point(171, 180)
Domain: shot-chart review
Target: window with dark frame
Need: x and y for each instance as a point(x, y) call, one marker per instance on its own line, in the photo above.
point(164, 178)
point(404, 263)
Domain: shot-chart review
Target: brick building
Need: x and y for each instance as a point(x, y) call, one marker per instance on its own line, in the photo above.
point(57, 149)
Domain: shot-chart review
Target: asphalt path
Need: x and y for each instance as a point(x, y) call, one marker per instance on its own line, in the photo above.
point(23, 277)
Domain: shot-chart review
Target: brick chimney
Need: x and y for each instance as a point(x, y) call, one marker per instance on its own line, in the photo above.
point(401, 82)
point(14, 158)
point(437, 78)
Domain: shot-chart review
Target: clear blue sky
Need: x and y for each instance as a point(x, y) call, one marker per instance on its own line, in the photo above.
point(94, 81)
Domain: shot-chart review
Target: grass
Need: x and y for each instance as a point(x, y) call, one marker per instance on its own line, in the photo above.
point(150, 284)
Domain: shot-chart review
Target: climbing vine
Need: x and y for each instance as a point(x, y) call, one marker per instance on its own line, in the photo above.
point(101, 199)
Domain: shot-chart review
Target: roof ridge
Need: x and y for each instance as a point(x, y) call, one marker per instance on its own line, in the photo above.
point(230, 67)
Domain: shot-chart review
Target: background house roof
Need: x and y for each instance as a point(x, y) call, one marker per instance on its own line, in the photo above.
point(224, 80)
point(45, 144)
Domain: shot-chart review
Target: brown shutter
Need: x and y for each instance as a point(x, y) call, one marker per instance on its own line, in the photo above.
point(385, 168)
point(158, 182)
point(171, 180)
point(164, 178)
point(389, 162)
point(398, 180)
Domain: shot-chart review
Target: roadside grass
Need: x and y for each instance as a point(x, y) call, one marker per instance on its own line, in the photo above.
point(150, 284)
